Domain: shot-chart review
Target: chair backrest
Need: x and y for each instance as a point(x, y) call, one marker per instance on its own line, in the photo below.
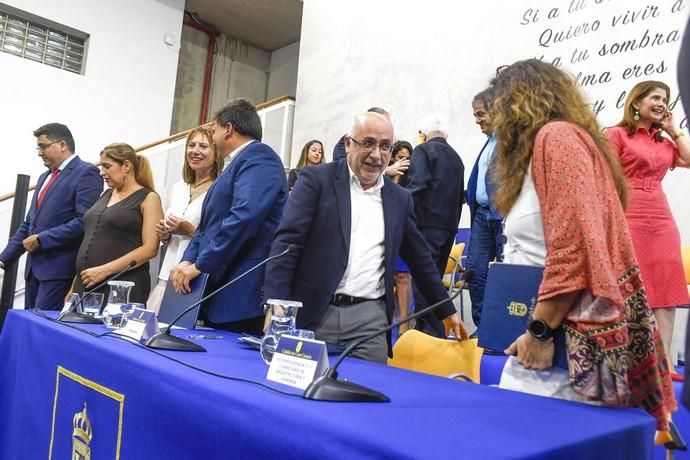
point(420, 352)
point(173, 303)
point(454, 263)
point(685, 253)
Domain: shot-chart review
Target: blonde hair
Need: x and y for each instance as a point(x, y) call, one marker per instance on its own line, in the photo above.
point(528, 95)
point(188, 174)
point(120, 152)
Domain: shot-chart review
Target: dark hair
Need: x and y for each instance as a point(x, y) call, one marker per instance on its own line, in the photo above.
point(398, 146)
point(242, 115)
point(188, 174)
point(305, 151)
point(486, 98)
point(378, 110)
point(56, 132)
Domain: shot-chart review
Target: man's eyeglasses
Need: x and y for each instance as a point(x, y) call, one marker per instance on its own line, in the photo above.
point(368, 145)
point(42, 147)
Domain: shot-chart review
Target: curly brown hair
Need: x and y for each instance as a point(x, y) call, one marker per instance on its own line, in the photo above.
point(527, 95)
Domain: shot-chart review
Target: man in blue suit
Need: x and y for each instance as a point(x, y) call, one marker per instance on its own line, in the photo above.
point(486, 237)
point(53, 228)
point(240, 214)
point(346, 224)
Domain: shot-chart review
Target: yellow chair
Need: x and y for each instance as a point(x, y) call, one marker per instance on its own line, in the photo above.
point(685, 253)
point(420, 352)
point(453, 267)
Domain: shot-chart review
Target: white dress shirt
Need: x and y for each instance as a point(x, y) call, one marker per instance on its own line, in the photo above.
point(364, 276)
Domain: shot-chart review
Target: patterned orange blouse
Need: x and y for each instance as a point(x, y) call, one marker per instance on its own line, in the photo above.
point(614, 349)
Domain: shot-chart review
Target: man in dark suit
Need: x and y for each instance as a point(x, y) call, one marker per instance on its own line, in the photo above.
point(240, 214)
point(53, 228)
point(486, 237)
point(436, 182)
point(347, 223)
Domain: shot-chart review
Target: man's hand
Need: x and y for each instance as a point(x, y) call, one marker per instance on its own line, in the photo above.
point(531, 352)
point(31, 243)
point(182, 274)
point(453, 324)
point(94, 275)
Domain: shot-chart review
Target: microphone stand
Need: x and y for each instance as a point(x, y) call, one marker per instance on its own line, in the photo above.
point(329, 388)
point(164, 340)
point(74, 316)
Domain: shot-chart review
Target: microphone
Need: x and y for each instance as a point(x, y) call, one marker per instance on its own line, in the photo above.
point(166, 341)
point(329, 388)
point(74, 316)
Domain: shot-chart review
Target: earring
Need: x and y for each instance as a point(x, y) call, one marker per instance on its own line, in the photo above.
point(636, 115)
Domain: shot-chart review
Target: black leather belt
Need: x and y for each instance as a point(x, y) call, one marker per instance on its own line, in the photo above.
point(344, 300)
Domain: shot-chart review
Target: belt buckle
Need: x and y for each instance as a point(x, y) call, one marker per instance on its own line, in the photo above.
point(647, 184)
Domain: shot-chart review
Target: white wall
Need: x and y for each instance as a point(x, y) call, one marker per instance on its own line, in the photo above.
point(418, 61)
point(282, 79)
point(126, 93)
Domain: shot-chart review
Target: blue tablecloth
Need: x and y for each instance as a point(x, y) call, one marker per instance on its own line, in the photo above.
point(490, 374)
point(141, 405)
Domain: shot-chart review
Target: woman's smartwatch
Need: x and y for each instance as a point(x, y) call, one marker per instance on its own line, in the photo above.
point(539, 329)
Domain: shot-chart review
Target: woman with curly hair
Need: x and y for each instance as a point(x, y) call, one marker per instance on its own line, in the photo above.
point(563, 193)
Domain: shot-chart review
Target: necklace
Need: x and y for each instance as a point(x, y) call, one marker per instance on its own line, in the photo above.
point(194, 187)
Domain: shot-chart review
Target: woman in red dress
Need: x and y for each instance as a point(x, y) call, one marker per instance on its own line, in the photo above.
point(646, 155)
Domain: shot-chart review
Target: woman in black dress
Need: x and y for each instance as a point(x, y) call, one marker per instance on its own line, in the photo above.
point(121, 226)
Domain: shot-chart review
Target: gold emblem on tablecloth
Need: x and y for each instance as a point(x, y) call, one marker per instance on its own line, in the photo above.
point(81, 436)
point(299, 347)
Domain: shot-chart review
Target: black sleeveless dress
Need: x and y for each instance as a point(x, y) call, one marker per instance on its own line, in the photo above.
point(111, 232)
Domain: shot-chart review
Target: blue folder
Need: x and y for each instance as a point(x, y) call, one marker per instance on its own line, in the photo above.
point(173, 303)
point(509, 300)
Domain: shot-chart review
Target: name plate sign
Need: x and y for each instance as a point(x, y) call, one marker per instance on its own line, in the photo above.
point(141, 324)
point(298, 361)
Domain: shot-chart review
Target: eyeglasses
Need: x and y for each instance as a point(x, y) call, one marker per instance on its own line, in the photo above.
point(42, 147)
point(368, 145)
point(501, 69)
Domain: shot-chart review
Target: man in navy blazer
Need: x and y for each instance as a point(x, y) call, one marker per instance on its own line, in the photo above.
point(53, 228)
point(240, 214)
point(486, 237)
point(346, 223)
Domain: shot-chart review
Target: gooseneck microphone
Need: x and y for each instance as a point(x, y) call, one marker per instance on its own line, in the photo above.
point(72, 315)
point(166, 341)
point(329, 388)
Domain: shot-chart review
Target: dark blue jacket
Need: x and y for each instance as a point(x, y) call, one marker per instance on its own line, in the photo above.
point(436, 179)
point(58, 223)
point(471, 193)
point(240, 214)
point(317, 221)
point(339, 152)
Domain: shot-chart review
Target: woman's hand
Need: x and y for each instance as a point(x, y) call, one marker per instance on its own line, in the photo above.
point(668, 124)
point(532, 353)
point(179, 226)
point(162, 231)
point(94, 275)
point(398, 168)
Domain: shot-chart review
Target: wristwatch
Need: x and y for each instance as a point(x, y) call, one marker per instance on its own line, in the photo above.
point(539, 329)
